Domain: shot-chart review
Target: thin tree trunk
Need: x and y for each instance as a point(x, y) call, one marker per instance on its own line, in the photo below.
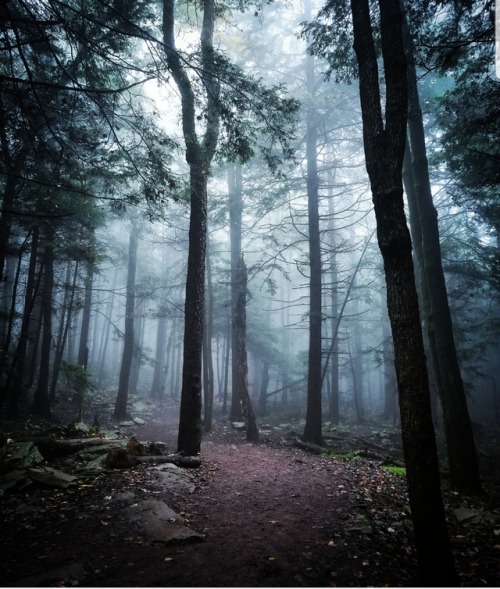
point(208, 366)
point(15, 379)
point(334, 397)
point(240, 354)
point(312, 429)
point(264, 384)
point(227, 354)
point(120, 411)
point(103, 348)
point(83, 345)
point(65, 324)
point(11, 310)
point(41, 401)
point(384, 143)
point(158, 384)
point(235, 212)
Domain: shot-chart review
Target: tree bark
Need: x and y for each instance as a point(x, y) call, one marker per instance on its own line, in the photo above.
point(334, 396)
point(384, 144)
point(120, 411)
point(235, 211)
point(41, 401)
point(240, 353)
point(15, 380)
point(312, 430)
point(462, 456)
point(83, 349)
point(66, 318)
point(158, 384)
point(208, 366)
point(199, 156)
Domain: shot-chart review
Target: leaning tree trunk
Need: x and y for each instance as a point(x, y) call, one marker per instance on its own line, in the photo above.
point(120, 411)
point(240, 353)
point(312, 429)
point(462, 456)
point(384, 144)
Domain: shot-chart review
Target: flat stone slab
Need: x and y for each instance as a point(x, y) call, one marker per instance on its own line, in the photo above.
point(161, 523)
point(50, 476)
point(174, 478)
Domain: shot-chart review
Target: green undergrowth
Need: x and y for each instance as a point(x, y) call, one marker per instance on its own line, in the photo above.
point(399, 471)
point(343, 455)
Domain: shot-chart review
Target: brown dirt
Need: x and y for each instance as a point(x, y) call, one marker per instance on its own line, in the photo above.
point(272, 515)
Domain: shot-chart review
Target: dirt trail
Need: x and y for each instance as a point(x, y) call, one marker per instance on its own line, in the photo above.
point(271, 515)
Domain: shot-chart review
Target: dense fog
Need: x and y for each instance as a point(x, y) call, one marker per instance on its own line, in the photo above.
point(107, 182)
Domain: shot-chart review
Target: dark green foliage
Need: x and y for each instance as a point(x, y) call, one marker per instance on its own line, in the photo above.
point(248, 110)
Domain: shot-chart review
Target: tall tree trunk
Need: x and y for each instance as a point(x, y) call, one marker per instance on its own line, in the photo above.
point(208, 365)
point(312, 429)
point(15, 165)
point(384, 144)
point(199, 156)
point(240, 353)
point(15, 381)
point(120, 411)
point(388, 372)
point(105, 336)
point(235, 212)
point(423, 291)
point(357, 365)
point(139, 328)
point(66, 317)
point(158, 384)
point(41, 401)
point(264, 384)
point(462, 456)
point(334, 396)
point(10, 292)
point(83, 345)
point(227, 352)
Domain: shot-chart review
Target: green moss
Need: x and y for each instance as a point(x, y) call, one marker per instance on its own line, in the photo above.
point(397, 470)
point(347, 455)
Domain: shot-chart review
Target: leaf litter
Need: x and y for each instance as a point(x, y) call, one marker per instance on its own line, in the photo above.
point(271, 515)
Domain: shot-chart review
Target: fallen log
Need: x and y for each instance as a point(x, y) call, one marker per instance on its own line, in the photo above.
point(177, 459)
point(314, 448)
point(51, 448)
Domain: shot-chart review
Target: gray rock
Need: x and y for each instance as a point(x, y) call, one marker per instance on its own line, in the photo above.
point(50, 477)
point(18, 455)
point(141, 407)
point(125, 497)
point(12, 479)
point(161, 523)
point(174, 478)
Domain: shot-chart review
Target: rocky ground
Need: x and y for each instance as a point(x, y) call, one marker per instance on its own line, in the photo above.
point(272, 514)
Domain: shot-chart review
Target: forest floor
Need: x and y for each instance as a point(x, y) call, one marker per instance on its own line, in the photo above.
point(262, 515)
